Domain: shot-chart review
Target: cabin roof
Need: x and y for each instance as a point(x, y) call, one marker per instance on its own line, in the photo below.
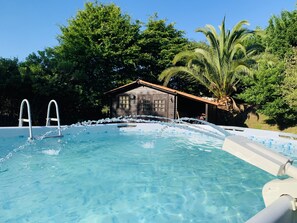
point(139, 82)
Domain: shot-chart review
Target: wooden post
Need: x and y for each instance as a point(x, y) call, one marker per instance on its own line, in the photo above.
point(175, 114)
point(206, 112)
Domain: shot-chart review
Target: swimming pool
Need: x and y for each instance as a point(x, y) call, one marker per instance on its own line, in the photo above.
point(126, 173)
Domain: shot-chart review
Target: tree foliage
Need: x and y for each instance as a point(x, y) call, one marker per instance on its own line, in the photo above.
point(100, 43)
point(13, 87)
point(281, 33)
point(264, 90)
point(289, 88)
point(159, 43)
point(218, 65)
point(99, 49)
point(49, 77)
point(273, 88)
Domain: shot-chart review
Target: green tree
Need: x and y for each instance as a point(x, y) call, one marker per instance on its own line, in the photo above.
point(159, 43)
point(272, 90)
point(100, 48)
point(49, 74)
point(101, 44)
point(219, 65)
point(281, 33)
point(264, 91)
point(13, 88)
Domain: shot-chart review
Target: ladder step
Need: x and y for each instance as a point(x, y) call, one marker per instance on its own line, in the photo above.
point(25, 120)
point(53, 119)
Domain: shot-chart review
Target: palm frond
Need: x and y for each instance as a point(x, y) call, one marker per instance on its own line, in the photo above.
point(210, 34)
point(219, 64)
point(242, 69)
point(167, 74)
point(184, 55)
point(237, 48)
point(222, 39)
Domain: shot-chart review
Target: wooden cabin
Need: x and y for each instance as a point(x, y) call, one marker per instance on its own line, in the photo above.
point(144, 98)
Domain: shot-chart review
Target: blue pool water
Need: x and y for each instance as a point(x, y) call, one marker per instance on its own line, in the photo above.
point(110, 174)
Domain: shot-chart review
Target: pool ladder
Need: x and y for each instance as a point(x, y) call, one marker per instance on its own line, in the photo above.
point(48, 119)
point(57, 119)
point(29, 120)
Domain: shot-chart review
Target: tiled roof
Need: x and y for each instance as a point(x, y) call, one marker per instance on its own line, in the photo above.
point(160, 88)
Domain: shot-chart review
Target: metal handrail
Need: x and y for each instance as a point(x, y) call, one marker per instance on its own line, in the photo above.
point(29, 120)
point(57, 119)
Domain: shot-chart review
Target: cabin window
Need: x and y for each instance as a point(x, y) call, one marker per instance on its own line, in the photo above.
point(124, 101)
point(159, 105)
point(145, 105)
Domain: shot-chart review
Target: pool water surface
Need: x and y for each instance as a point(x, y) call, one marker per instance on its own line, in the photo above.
point(127, 175)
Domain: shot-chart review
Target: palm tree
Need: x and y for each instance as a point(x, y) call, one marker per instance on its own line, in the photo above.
point(218, 64)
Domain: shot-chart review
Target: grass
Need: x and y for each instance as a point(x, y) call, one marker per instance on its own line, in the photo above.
point(255, 123)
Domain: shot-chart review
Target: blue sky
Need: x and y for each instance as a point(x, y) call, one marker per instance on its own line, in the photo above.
point(30, 25)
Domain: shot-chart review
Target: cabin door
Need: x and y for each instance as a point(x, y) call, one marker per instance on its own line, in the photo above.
point(144, 105)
